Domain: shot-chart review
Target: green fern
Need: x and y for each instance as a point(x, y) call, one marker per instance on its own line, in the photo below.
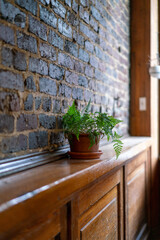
point(96, 125)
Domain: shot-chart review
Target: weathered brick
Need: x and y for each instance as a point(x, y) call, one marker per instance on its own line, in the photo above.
point(59, 122)
point(75, 6)
point(72, 19)
point(97, 99)
point(26, 122)
point(29, 5)
point(94, 61)
point(11, 80)
point(100, 76)
point(6, 123)
point(9, 101)
point(68, 2)
point(71, 78)
point(19, 60)
point(88, 95)
point(48, 17)
point(103, 44)
point(97, 15)
point(56, 72)
point(56, 138)
point(7, 34)
point(71, 48)
point(89, 71)
point(37, 28)
point(77, 93)
point(30, 84)
point(26, 42)
point(84, 14)
point(46, 104)
point(37, 103)
point(28, 103)
point(79, 67)
point(56, 106)
point(14, 144)
point(64, 28)
point(48, 86)
point(65, 91)
point(85, 3)
point(58, 8)
point(82, 81)
point(89, 46)
point(99, 53)
point(65, 61)
point(78, 38)
point(89, 33)
point(46, 121)
point(92, 85)
point(38, 139)
point(64, 110)
point(95, 108)
point(38, 66)
point(55, 40)
point(47, 51)
point(102, 32)
point(83, 55)
point(7, 57)
point(45, 2)
point(94, 24)
point(12, 14)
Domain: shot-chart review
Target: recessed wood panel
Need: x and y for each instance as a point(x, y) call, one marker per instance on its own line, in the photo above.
point(96, 191)
point(103, 225)
point(136, 198)
point(97, 211)
point(45, 230)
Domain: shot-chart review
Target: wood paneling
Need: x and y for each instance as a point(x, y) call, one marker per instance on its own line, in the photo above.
point(98, 210)
point(137, 197)
point(78, 199)
point(53, 225)
point(101, 224)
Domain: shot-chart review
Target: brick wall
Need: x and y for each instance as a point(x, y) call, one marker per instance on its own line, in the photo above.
point(52, 52)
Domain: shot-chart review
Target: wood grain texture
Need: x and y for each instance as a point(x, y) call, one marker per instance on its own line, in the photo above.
point(100, 216)
point(137, 194)
point(140, 79)
point(104, 224)
point(28, 199)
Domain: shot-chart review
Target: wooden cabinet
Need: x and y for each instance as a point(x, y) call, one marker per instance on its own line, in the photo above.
point(53, 226)
point(80, 200)
point(137, 197)
point(98, 210)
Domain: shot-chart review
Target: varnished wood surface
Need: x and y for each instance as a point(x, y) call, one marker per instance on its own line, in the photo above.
point(137, 197)
point(98, 209)
point(67, 172)
point(101, 221)
point(140, 121)
point(26, 198)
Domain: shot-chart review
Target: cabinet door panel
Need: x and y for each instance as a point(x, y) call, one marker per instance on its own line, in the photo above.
point(136, 197)
point(136, 202)
point(104, 225)
point(53, 227)
point(97, 211)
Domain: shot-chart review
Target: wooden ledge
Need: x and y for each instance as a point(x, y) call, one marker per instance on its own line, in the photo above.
point(69, 175)
point(44, 189)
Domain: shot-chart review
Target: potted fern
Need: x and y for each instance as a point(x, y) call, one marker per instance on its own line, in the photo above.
point(85, 129)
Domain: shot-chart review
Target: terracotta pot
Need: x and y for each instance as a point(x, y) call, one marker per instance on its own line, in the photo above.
point(83, 144)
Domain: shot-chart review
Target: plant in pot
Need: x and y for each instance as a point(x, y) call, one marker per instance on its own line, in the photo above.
point(85, 129)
